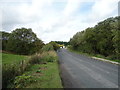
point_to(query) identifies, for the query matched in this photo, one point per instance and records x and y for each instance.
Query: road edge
(105, 60)
(96, 58)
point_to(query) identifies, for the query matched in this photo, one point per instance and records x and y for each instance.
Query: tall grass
(46, 56)
(49, 56)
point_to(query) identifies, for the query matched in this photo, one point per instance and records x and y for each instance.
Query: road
(79, 71)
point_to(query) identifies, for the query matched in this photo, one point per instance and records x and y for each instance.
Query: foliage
(55, 45)
(19, 66)
(102, 39)
(21, 41)
(13, 65)
(22, 81)
(12, 71)
(47, 47)
(46, 76)
(62, 43)
(35, 59)
(49, 56)
(4, 38)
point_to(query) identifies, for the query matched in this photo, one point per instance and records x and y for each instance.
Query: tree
(55, 45)
(4, 38)
(36, 46)
(47, 47)
(104, 39)
(62, 43)
(22, 41)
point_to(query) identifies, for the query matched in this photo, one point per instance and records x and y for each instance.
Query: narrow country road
(79, 71)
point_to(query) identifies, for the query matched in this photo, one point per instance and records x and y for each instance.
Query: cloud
(71, 7)
(102, 9)
(55, 20)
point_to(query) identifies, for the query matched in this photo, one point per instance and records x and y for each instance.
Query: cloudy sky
(55, 19)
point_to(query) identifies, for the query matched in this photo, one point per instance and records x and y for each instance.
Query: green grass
(45, 75)
(36, 76)
(108, 58)
(93, 55)
(11, 58)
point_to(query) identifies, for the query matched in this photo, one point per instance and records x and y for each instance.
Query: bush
(49, 56)
(112, 57)
(47, 47)
(22, 81)
(35, 59)
(13, 70)
(55, 45)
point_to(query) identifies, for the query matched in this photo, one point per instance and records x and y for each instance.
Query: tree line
(25, 42)
(62, 43)
(103, 39)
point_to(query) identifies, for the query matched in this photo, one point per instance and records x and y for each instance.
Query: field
(10, 58)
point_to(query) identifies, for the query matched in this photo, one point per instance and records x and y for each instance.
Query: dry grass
(46, 56)
(52, 53)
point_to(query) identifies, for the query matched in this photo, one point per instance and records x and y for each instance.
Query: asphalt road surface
(79, 71)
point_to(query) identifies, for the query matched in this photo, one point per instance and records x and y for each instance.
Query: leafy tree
(47, 47)
(55, 45)
(4, 38)
(102, 39)
(36, 46)
(22, 41)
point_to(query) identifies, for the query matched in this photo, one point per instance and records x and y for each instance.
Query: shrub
(112, 57)
(35, 59)
(46, 56)
(47, 47)
(49, 56)
(13, 70)
(22, 81)
(55, 45)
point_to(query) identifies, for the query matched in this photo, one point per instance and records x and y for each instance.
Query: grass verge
(93, 55)
(43, 73)
(37, 71)
(44, 76)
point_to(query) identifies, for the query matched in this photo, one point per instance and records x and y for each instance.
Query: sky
(55, 20)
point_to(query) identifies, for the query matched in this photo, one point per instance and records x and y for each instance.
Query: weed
(35, 59)
(22, 81)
